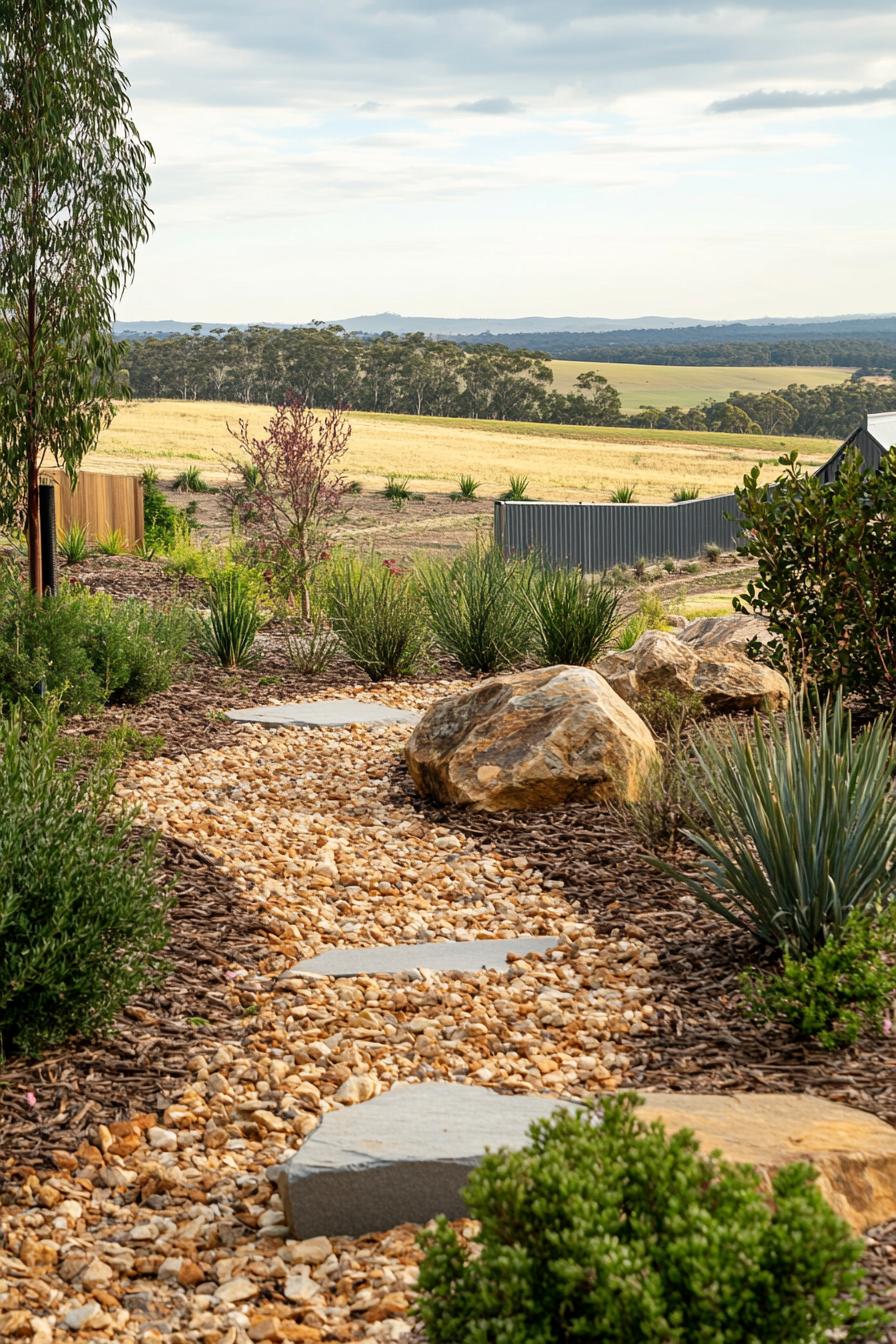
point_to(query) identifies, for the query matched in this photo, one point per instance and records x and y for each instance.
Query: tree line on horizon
(418, 375)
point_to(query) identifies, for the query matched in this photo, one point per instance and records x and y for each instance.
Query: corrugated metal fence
(100, 502)
(598, 536)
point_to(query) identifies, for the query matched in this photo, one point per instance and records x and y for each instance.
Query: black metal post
(47, 496)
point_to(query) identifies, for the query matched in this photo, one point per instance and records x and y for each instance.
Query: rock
(322, 714)
(239, 1289)
(78, 1317)
(710, 631)
(96, 1274)
(531, 740)
(402, 1158)
(356, 1089)
(163, 1139)
(311, 1251)
(720, 673)
(393, 959)
(854, 1152)
(300, 1288)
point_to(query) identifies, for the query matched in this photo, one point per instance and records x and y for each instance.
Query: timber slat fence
(102, 503)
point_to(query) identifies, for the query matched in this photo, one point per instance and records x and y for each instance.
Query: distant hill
(671, 329)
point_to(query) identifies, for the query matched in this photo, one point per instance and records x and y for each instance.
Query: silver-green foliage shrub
(477, 608)
(375, 609)
(82, 913)
(615, 1232)
(801, 823)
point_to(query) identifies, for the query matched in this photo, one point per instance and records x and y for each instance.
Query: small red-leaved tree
(291, 492)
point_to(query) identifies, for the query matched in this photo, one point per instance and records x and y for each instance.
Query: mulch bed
(82, 1084)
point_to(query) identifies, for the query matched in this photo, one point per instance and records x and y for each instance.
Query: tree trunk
(32, 525)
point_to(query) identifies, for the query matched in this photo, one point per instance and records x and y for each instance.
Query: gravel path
(164, 1226)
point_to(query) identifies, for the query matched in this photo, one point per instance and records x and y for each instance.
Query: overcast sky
(324, 158)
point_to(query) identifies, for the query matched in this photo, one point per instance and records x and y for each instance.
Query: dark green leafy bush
(161, 520)
(618, 1233)
(834, 994)
(85, 648)
(827, 573)
(375, 610)
(801, 824)
(477, 608)
(82, 914)
(573, 617)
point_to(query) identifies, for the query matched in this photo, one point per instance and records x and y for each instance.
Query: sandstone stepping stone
(405, 1155)
(401, 1158)
(322, 714)
(392, 959)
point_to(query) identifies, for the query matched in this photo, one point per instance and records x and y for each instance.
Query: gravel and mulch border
(215, 938)
(702, 1039)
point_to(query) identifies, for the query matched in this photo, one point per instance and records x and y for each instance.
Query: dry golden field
(561, 461)
(682, 385)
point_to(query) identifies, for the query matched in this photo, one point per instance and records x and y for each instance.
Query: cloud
(490, 107)
(768, 100)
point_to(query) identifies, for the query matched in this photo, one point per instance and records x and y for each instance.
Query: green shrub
(234, 619)
(801, 823)
(666, 803)
(72, 544)
(82, 914)
(685, 493)
(191, 482)
(669, 714)
(614, 1231)
(712, 552)
(134, 649)
(160, 519)
(517, 489)
(573, 616)
(826, 555)
(477, 608)
(113, 543)
(623, 494)
(376, 611)
(311, 645)
(847, 986)
(467, 487)
(396, 488)
(651, 615)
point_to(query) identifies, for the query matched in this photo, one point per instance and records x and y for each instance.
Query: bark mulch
(214, 933)
(703, 1040)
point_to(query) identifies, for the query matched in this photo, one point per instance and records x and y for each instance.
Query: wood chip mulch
(214, 933)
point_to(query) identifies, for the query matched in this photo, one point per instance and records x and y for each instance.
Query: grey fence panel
(598, 536)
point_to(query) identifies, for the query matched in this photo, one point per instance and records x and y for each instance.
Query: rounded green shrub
(82, 911)
(605, 1229)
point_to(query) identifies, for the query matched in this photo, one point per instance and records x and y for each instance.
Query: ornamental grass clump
(477, 608)
(376, 611)
(82, 910)
(573, 616)
(607, 1229)
(234, 619)
(801, 823)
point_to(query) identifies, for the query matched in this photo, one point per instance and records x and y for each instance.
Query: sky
(611, 158)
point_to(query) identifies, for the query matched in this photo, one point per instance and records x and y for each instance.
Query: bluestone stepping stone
(480, 954)
(322, 714)
(402, 1157)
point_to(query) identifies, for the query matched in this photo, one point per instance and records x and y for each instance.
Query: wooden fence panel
(100, 502)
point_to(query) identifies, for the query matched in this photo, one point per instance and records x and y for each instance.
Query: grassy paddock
(679, 385)
(561, 461)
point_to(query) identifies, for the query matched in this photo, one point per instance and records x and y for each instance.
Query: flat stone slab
(403, 1157)
(480, 954)
(322, 714)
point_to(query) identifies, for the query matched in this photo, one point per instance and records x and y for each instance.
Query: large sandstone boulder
(532, 739)
(721, 673)
(738, 630)
(853, 1152)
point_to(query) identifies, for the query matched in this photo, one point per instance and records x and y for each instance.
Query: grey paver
(393, 959)
(322, 714)
(402, 1157)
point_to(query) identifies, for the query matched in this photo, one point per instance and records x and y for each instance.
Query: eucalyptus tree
(73, 211)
